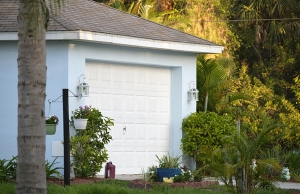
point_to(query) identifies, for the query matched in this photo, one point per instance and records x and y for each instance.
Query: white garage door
(138, 99)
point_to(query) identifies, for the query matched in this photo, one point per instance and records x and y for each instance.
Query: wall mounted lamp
(82, 88)
(192, 92)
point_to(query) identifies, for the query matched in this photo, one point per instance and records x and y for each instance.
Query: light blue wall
(57, 78)
(8, 99)
(66, 62)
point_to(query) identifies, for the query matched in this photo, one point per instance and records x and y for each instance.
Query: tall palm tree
(33, 19)
(210, 76)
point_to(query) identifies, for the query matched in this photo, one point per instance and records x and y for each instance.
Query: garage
(138, 99)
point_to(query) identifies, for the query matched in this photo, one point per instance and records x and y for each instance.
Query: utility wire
(250, 20)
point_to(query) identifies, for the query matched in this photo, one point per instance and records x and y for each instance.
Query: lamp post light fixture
(192, 92)
(82, 88)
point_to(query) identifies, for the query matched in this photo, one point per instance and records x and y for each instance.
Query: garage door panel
(141, 75)
(105, 71)
(117, 131)
(93, 72)
(117, 101)
(137, 98)
(129, 103)
(141, 160)
(93, 99)
(152, 133)
(118, 76)
(141, 102)
(141, 132)
(105, 101)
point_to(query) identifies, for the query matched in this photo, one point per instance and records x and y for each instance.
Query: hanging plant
(88, 146)
(80, 117)
(51, 123)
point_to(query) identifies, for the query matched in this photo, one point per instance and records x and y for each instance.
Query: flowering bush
(82, 112)
(185, 176)
(88, 146)
(52, 120)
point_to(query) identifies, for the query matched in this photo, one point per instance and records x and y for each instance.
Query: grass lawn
(122, 187)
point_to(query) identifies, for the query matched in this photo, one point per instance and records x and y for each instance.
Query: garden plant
(88, 146)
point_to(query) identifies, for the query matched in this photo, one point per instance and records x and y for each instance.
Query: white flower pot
(80, 124)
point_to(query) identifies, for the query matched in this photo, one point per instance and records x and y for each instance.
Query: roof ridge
(148, 20)
(91, 16)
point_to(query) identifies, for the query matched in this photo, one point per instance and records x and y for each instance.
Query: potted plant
(168, 167)
(51, 123)
(80, 117)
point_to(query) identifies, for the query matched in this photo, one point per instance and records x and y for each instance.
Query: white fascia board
(122, 40)
(8, 36)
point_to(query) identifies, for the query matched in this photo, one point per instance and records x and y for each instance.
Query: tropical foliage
(8, 170)
(167, 161)
(88, 146)
(204, 133)
(51, 170)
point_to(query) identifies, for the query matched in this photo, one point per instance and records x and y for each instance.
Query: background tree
(33, 19)
(269, 39)
(244, 158)
(213, 82)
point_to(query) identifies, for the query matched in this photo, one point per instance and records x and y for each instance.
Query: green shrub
(87, 146)
(292, 161)
(205, 132)
(152, 173)
(50, 170)
(8, 170)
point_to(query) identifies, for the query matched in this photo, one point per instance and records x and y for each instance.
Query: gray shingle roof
(87, 15)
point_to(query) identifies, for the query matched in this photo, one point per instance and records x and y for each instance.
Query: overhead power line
(250, 20)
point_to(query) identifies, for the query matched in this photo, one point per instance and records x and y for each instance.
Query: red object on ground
(110, 170)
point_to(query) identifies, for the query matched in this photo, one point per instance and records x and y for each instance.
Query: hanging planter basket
(80, 124)
(50, 129)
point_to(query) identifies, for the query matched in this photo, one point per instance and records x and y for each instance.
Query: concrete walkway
(289, 185)
(283, 185)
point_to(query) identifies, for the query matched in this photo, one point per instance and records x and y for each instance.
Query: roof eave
(122, 40)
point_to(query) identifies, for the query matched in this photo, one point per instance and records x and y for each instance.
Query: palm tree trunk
(206, 102)
(31, 176)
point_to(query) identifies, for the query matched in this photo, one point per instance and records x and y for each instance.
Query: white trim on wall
(122, 40)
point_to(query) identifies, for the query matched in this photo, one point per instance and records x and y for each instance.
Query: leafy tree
(269, 41)
(33, 18)
(271, 19)
(203, 133)
(88, 146)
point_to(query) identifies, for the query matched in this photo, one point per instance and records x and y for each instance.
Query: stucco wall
(57, 78)
(66, 62)
(9, 99)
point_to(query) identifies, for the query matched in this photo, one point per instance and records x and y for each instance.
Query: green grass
(122, 187)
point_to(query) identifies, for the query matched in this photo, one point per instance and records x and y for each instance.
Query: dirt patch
(140, 184)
